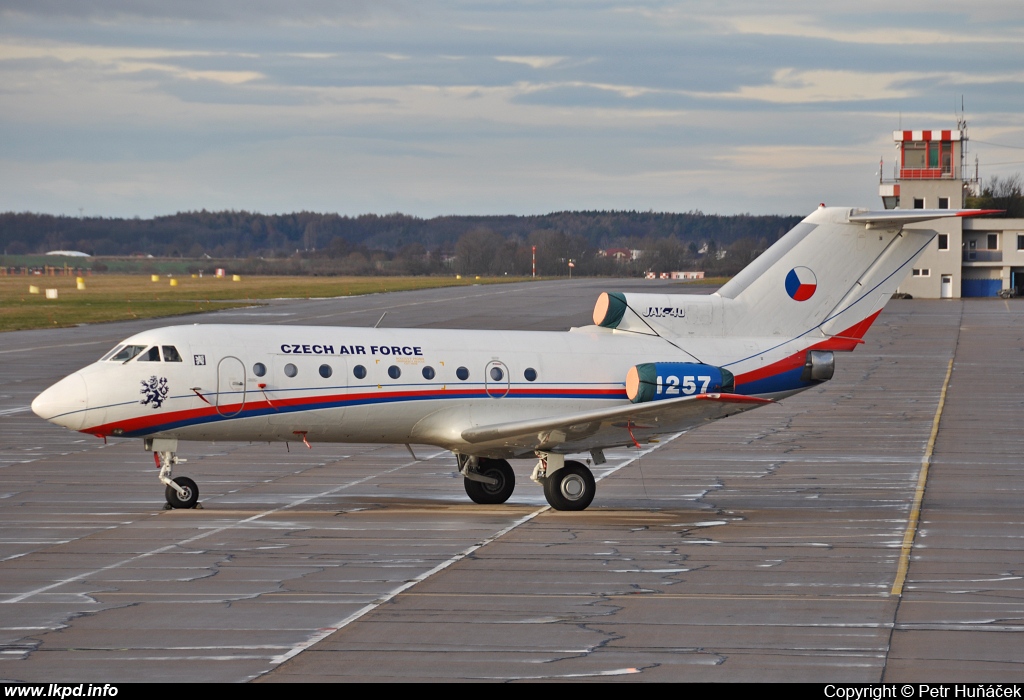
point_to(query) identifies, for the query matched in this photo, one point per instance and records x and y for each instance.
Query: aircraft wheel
(191, 493)
(498, 469)
(570, 488)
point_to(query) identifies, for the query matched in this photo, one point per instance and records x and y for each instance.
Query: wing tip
(734, 398)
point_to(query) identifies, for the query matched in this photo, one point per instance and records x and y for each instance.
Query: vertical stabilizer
(829, 276)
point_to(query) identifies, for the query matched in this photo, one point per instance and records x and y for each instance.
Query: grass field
(124, 297)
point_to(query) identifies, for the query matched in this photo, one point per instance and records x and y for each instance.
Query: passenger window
(428, 372)
(496, 374)
(462, 373)
(290, 370)
(394, 372)
(359, 371)
(151, 355)
(326, 371)
(170, 353)
(530, 374)
(127, 352)
(259, 369)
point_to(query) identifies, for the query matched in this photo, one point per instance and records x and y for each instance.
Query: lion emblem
(154, 391)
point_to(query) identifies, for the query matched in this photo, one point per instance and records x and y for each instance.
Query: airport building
(974, 257)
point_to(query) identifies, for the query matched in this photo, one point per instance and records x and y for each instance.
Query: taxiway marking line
(50, 347)
(203, 535)
(922, 478)
(325, 632)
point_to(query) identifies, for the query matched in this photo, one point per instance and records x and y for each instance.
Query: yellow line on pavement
(922, 478)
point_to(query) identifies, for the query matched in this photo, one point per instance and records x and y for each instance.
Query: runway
(765, 547)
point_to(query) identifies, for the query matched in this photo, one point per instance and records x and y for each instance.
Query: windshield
(126, 353)
(108, 355)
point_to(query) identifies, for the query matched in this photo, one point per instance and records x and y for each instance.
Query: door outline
(497, 388)
(228, 383)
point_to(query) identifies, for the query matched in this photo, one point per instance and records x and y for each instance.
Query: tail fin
(830, 275)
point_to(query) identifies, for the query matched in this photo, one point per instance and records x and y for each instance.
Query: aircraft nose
(64, 403)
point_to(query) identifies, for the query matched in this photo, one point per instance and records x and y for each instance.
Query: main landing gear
(487, 481)
(567, 485)
(180, 492)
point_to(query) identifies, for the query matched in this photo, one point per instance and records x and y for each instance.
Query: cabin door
(230, 386)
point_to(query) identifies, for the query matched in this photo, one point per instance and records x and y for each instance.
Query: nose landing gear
(184, 493)
(180, 492)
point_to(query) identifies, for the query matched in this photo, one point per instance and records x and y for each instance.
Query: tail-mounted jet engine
(819, 366)
(653, 381)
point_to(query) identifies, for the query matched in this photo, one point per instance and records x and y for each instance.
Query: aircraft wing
(609, 427)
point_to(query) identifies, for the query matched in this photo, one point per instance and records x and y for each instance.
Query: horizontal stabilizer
(615, 424)
(899, 217)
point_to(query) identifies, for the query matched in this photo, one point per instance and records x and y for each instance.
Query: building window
(1020, 242)
(993, 241)
(914, 154)
(943, 202)
(918, 203)
(943, 241)
(924, 272)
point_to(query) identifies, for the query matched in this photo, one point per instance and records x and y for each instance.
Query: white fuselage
(236, 382)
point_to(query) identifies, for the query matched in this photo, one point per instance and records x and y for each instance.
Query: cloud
(899, 33)
(532, 61)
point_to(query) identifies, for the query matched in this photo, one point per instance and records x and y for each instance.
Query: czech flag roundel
(801, 283)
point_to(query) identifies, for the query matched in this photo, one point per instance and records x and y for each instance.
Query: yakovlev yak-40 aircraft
(650, 364)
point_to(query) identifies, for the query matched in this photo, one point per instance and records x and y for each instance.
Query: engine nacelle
(819, 366)
(653, 381)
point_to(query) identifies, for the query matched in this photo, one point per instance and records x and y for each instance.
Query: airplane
(651, 364)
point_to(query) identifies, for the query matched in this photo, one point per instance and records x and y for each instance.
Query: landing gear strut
(181, 492)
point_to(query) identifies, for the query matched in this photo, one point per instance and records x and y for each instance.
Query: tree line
(314, 243)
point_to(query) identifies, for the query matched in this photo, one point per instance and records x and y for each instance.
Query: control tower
(929, 174)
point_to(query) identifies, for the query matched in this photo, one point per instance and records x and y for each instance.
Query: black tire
(570, 488)
(489, 494)
(191, 493)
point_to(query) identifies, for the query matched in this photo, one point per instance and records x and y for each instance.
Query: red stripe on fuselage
(230, 411)
(843, 342)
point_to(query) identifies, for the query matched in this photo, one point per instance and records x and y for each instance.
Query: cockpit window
(109, 354)
(126, 353)
(171, 353)
(151, 355)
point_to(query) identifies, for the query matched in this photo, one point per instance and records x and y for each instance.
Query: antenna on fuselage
(380, 319)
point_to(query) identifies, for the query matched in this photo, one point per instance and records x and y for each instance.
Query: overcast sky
(148, 107)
